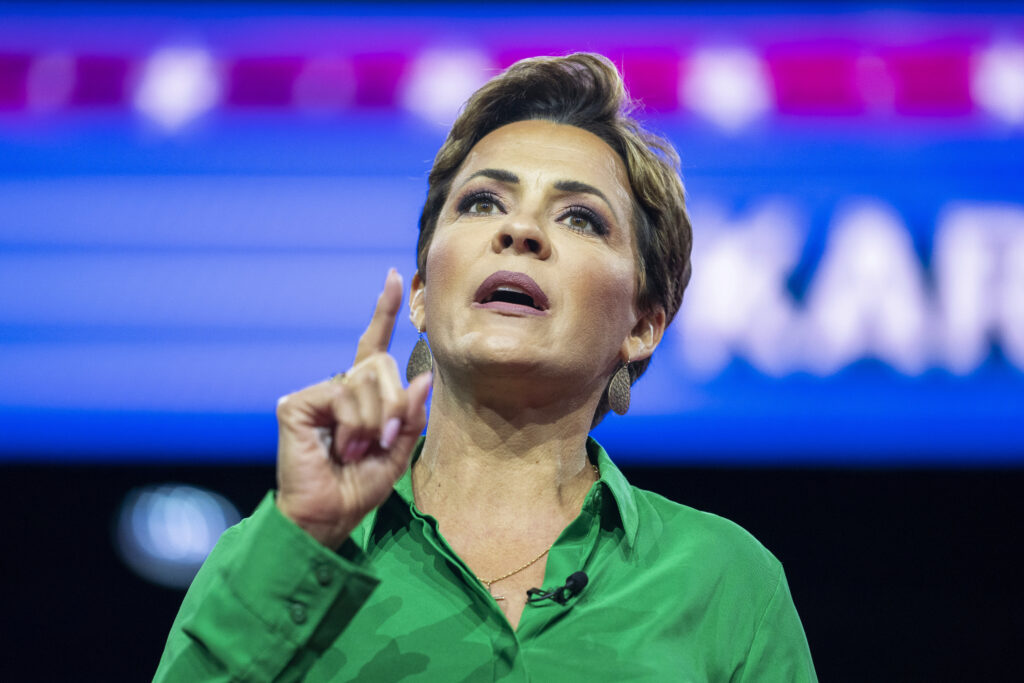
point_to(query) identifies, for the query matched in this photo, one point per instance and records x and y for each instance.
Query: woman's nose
(522, 235)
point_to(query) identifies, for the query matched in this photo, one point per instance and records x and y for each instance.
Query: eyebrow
(577, 187)
(573, 186)
(498, 174)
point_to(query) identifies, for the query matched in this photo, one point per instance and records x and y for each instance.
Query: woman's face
(531, 266)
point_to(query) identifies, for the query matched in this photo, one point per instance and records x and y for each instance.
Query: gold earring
(420, 360)
(618, 390)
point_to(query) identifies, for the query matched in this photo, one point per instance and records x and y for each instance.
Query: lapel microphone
(574, 585)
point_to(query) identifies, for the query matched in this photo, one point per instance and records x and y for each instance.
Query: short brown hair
(583, 90)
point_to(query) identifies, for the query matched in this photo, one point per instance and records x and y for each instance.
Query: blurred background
(199, 204)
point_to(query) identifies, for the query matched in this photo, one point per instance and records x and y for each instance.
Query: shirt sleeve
(268, 601)
(779, 650)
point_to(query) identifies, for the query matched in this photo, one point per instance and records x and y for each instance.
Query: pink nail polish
(350, 451)
(389, 433)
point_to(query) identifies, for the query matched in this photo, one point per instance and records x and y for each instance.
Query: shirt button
(324, 575)
(298, 613)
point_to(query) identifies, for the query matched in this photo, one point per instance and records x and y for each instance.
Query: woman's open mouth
(511, 292)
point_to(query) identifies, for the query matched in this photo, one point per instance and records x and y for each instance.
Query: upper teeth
(510, 288)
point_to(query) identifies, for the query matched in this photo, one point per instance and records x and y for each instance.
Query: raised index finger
(377, 336)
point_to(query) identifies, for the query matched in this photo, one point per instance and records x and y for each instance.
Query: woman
(554, 250)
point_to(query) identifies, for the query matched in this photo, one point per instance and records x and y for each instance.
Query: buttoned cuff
(303, 593)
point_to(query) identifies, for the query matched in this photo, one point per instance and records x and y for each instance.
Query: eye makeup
(478, 196)
(598, 226)
(577, 217)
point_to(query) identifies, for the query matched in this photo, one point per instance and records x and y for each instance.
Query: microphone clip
(573, 586)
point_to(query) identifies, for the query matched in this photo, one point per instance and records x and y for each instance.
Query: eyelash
(577, 211)
(574, 211)
(467, 202)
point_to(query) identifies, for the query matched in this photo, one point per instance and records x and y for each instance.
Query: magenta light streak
(832, 76)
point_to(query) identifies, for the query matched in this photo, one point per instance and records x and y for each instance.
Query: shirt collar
(621, 490)
(611, 478)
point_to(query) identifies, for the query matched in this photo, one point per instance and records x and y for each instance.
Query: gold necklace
(487, 582)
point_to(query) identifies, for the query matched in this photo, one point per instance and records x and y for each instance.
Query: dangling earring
(618, 390)
(420, 360)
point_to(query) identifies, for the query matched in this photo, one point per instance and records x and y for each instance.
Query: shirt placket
(570, 553)
(508, 664)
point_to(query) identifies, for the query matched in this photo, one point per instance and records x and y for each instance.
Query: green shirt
(673, 595)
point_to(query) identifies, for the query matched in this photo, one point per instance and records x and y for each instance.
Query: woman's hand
(343, 443)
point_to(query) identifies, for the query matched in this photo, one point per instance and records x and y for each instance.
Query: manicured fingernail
(356, 449)
(390, 431)
(350, 451)
(362, 446)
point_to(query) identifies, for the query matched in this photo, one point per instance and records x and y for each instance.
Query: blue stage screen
(199, 205)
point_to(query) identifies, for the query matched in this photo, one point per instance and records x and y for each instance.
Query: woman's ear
(645, 336)
(417, 305)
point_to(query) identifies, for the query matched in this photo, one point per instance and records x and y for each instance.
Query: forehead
(551, 151)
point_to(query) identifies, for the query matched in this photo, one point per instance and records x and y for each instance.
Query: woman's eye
(585, 220)
(482, 206)
(579, 223)
(479, 204)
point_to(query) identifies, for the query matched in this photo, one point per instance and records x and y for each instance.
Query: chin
(496, 356)
(521, 360)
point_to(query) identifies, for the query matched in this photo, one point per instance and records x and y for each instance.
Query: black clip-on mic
(574, 585)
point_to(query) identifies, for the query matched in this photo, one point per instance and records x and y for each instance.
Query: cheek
(439, 265)
(444, 264)
(610, 295)
(620, 282)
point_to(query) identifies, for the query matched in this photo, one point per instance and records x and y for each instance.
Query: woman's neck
(495, 461)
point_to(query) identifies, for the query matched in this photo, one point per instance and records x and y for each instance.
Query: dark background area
(899, 575)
